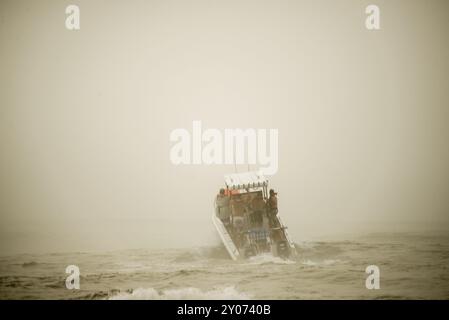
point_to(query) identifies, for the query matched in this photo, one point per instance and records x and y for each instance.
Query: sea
(411, 266)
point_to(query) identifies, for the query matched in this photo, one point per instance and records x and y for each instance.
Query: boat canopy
(245, 180)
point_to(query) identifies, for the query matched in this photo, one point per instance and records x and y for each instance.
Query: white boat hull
(225, 238)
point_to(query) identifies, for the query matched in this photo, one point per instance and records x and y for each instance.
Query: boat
(246, 220)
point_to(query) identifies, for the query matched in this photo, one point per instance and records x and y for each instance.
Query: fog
(86, 116)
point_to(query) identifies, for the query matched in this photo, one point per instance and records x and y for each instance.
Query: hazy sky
(85, 117)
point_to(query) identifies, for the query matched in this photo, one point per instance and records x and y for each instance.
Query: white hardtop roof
(245, 180)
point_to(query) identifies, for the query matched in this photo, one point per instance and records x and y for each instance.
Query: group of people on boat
(232, 210)
(252, 221)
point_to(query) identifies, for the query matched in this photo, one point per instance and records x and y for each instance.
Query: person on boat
(223, 209)
(258, 207)
(273, 202)
(238, 212)
(272, 207)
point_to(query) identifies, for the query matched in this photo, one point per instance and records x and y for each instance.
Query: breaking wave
(227, 293)
(326, 262)
(215, 253)
(268, 258)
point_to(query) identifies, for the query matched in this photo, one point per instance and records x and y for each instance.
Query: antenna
(235, 164)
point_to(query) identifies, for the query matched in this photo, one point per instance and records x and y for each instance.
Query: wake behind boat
(247, 220)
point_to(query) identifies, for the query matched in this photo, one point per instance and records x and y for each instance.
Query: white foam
(309, 263)
(305, 245)
(326, 262)
(269, 258)
(227, 293)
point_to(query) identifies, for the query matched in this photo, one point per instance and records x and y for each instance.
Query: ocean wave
(326, 262)
(190, 293)
(200, 253)
(29, 264)
(268, 259)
